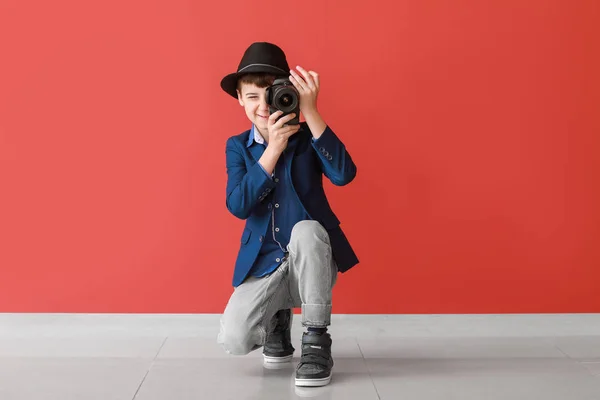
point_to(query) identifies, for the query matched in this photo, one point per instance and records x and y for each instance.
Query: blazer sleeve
(336, 163)
(246, 188)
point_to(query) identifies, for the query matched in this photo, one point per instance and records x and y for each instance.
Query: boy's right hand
(279, 134)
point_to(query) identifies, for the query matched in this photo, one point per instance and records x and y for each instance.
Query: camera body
(283, 96)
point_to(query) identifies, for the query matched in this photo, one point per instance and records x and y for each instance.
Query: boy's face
(254, 101)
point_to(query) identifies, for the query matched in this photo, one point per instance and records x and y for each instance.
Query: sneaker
(316, 362)
(278, 347)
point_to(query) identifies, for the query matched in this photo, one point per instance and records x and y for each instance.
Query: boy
(292, 246)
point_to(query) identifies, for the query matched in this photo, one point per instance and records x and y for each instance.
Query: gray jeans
(305, 279)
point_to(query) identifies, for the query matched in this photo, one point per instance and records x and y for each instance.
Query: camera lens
(286, 100)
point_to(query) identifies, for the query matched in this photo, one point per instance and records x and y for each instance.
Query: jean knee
(237, 348)
(237, 343)
(307, 230)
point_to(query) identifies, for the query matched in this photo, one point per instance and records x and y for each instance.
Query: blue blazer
(249, 188)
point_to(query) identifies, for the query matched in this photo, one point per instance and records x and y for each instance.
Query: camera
(283, 96)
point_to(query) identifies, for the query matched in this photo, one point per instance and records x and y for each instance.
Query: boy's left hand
(307, 84)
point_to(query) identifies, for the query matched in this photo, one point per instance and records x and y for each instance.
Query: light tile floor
(151, 357)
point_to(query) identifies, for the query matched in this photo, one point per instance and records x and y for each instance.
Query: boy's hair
(261, 80)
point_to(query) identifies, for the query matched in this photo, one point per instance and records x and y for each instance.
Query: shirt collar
(254, 136)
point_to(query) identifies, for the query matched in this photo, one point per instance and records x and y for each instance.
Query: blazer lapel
(256, 150)
(288, 154)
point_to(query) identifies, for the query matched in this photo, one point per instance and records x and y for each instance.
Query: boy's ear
(239, 97)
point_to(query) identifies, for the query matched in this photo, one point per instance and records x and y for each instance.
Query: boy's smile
(254, 101)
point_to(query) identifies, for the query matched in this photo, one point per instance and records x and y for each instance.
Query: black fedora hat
(261, 57)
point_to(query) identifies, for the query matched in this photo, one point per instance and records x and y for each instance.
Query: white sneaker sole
(278, 360)
(314, 382)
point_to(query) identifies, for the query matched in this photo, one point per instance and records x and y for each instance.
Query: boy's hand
(307, 84)
(279, 134)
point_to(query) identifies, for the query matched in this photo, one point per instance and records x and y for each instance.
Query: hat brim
(229, 82)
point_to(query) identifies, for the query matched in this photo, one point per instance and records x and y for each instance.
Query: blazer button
(322, 149)
(261, 238)
(330, 158)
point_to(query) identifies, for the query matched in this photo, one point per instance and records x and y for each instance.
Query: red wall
(474, 125)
